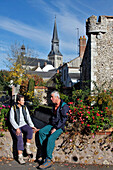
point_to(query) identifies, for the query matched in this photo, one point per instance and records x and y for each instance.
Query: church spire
(55, 56)
(55, 35)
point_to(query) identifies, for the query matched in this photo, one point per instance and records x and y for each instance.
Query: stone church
(45, 68)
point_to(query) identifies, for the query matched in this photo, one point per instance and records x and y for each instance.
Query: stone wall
(100, 51)
(44, 93)
(40, 93)
(90, 149)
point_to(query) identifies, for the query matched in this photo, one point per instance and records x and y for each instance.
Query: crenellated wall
(97, 64)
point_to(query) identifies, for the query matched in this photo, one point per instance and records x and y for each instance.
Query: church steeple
(55, 35)
(55, 56)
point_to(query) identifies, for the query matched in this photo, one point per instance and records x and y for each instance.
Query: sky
(31, 22)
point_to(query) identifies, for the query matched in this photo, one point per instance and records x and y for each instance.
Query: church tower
(55, 56)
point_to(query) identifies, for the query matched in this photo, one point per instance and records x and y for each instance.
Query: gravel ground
(10, 164)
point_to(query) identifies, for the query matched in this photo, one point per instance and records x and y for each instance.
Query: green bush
(4, 116)
(64, 97)
(31, 85)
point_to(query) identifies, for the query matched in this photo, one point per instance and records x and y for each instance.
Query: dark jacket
(17, 113)
(58, 120)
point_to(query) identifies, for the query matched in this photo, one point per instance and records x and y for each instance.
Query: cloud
(64, 14)
(24, 30)
(3, 46)
(67, 21)
(67, 24)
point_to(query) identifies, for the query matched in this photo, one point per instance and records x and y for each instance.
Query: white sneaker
(20, 160)
(28, 151)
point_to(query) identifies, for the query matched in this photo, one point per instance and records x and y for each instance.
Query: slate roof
(74, 75)
(42, 74)
(54, 53)
(30, 61)
(55, 35)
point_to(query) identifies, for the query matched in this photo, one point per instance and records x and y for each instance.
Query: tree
(59, 83)
(4, 84)
(16, 59)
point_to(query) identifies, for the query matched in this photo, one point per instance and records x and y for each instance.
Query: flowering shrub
(103, 99)
(88, 118)
(34, 101)
(3, 116)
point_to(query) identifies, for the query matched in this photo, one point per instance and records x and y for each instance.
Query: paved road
(13, 165)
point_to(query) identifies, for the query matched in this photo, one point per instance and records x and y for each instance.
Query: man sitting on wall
(54, 129)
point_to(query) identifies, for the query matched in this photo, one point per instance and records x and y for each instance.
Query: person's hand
(53, 130)
(18, 132)
(35, 129)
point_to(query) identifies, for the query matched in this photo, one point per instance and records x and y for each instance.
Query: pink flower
(3, 106)
(0, 107)
(88, 125)
(88, 112)
(70, 103)
(97, 126)
(82, 122)
(80, 100)
(86, 116)
(93, 117)
(9, 106)
(106, 108)
(97, 114)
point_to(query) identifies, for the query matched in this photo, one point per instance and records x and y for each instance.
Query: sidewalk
(13, 165)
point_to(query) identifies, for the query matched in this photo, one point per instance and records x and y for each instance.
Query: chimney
(82, 46)
(38, 64)
(45, 63)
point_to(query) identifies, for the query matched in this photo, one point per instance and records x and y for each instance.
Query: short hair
(19, 96)
(56, 93)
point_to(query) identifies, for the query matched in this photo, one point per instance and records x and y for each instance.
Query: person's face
(21, 102)
(53, 98)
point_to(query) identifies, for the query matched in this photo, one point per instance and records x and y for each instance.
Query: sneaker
(28, 151)
(20, 160)
(46, 164)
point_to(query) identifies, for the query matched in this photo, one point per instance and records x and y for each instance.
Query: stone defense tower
(97, 64)
(55, 56)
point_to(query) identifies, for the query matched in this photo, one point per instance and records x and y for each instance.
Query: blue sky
(31, 22)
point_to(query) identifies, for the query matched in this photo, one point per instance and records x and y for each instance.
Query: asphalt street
(6, 164)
